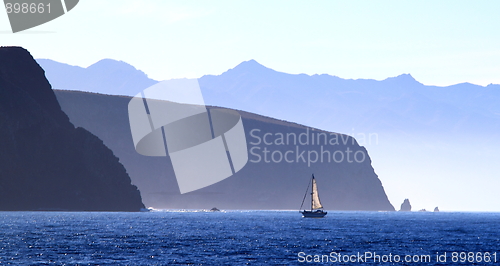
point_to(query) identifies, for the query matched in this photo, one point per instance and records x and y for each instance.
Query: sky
(437, 42)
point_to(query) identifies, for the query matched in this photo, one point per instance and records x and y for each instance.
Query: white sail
(316, 204)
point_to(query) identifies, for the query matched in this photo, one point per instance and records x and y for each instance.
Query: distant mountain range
(106, 76)
(399, 104)
(425, 136)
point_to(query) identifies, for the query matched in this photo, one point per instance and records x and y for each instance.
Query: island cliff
(45, 162)
(261, 184)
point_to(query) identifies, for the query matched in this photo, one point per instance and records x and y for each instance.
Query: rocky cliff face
(264, 183)
(45, 162)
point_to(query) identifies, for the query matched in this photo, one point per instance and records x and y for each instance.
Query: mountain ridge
(107, 76)
(249, 65)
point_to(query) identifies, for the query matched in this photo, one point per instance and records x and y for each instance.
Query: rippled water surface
(246, 237)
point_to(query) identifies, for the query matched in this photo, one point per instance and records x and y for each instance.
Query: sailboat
(316, 207)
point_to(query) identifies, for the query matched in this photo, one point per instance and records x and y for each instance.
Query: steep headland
(45, 162)
(266, 182)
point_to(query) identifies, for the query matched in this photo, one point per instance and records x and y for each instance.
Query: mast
(312, 191)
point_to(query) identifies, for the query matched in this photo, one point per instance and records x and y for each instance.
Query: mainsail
(316, 204)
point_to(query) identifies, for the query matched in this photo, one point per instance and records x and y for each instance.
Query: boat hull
(313, 214)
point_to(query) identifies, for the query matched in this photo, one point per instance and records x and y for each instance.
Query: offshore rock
(405, 206)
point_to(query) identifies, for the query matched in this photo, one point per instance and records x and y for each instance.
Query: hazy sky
(438, 42)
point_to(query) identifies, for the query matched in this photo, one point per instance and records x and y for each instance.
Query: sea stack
(45, 162)
(405, 206)
(436, 209)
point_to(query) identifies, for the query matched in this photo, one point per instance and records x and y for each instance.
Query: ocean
(249, 238)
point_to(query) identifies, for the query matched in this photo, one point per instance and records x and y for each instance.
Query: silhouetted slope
(343, 186)
(45, 162)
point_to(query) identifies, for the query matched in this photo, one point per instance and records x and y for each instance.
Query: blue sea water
(248, 238)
